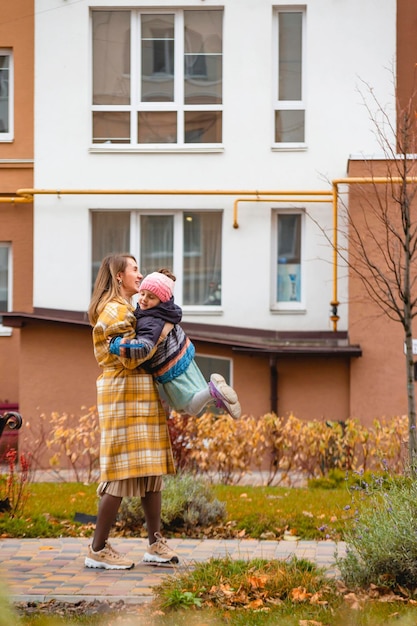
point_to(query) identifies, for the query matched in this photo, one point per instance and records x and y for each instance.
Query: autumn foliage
(282, 448)
(228, 449)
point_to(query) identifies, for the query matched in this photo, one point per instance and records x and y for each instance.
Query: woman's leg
(151, 504)
(158, 550)
(107, 513)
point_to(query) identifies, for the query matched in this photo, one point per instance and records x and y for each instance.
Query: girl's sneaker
(224, 395)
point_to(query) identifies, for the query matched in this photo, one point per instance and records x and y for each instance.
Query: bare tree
(381, 244)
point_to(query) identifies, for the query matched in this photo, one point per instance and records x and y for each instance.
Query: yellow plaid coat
(134, 438)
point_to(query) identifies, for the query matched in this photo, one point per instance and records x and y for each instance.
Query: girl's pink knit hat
(159, 284)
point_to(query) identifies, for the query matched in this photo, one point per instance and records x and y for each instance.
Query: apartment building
(205, 137)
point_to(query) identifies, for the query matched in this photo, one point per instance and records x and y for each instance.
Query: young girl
(173, 365)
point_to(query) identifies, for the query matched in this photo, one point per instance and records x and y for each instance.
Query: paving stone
(53, 569)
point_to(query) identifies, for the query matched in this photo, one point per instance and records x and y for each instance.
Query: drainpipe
(274, 383)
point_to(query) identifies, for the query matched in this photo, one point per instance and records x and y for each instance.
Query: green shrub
(187, 502)
(382, 544)
(333, 480)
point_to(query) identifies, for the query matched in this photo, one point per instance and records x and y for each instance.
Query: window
(110, 233)
(288, 282)
(210, 364)
(6, 95)
(187, 242)
(289, 107)
(5, 279)
(157, 77)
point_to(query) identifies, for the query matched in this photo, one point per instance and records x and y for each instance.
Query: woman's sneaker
(224, 395)
(160, 552)
(107, 558)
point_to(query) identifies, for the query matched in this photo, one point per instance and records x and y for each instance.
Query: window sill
(276, 311)
(212, 311)
(122, 149)
(289, 148)
(5, 331)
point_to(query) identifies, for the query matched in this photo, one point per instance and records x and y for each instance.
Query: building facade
(205, 137)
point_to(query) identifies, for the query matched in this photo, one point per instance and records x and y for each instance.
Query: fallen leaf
(391, 597)
(316, 599)
(300, 594)
(353, 601)
(226, 590)
(255, 604)
(257, 582)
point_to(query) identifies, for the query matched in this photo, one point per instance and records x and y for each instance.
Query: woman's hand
(165, 332)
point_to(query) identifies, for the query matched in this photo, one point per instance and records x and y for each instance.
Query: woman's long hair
(106, 286)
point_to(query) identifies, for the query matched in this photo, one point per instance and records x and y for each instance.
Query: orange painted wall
(378, 379)
(58, 368)
(310, 388)
(17, 32)
(406, 51)
(16, 171)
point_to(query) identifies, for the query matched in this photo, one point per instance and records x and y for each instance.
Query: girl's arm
(140, 346)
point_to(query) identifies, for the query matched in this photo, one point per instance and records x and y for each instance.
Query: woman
(135, 450)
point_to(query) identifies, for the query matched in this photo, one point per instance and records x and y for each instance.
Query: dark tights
(107, 513)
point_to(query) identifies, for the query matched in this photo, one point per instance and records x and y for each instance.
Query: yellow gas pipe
(26, 195)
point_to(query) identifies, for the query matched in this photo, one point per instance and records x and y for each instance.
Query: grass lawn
(257, 512)
(217, 592)
(303, 512)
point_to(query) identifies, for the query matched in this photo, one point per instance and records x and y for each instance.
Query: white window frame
(276, 305)
(6, 331)
(285, 105)
(136, 105)
(9, 136)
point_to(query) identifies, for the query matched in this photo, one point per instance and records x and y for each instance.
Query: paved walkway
(39, 570)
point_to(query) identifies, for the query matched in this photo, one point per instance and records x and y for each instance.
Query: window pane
(156, 243)
(111, 127)
(157, 58)
(203, 126)
(111, 57)
(4, 93)
(111, 233)
(289, 56)
(203, 57)
(157, 127)
(289, 126)
(4, 278)
(289, 258)
(210, 364)
(202, 258)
